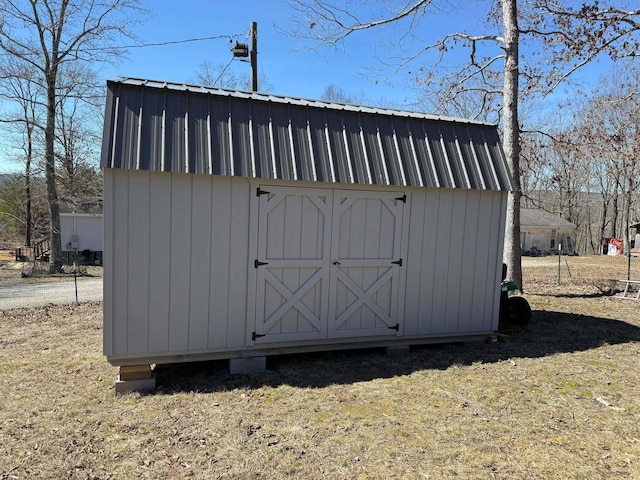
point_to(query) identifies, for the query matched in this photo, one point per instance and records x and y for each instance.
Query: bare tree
(13, 207)
(78, 137)
(584, 169)
(613, 118)
(576, 33)
(334, 93)
(47, 35)
(19, 88)
(220, 76)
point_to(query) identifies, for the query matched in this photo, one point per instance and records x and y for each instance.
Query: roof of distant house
(536, 217)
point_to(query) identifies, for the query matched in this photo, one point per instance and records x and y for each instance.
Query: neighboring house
(82, 237)
(241, 224)
(544, 233)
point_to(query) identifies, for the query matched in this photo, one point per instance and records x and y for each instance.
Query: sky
(292, 67)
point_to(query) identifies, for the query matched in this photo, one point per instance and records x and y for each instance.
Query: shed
(542, 232)
(241, 224)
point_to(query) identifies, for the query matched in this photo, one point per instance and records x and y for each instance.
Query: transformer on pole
(241, 50)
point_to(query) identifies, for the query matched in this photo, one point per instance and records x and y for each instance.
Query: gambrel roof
(170, 127)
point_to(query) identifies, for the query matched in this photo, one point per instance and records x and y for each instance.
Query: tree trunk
(603, 223)
(627, 219)
(589, 238)
(55, 254)
(616, 212)
(511, 141)
(27, 185)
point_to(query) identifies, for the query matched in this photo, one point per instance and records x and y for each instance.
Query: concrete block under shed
(140, 385)
(135, 378)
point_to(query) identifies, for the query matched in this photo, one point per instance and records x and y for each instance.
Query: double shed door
(328, 263)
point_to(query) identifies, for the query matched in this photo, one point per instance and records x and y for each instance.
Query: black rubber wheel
(518, 311)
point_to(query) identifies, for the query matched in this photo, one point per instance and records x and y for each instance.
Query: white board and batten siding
(195, 277)
(172, 285)
(453, 263)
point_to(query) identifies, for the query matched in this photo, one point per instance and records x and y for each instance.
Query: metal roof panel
(162, 126)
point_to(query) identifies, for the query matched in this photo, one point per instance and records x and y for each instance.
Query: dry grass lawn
(560, 401)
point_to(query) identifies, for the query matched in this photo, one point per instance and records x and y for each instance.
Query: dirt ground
(7, 256)
(579, 275)
(12, 272)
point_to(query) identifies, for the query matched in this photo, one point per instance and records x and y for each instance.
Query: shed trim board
(224, 241)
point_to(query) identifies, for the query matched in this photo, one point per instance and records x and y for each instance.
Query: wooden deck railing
(41, 247)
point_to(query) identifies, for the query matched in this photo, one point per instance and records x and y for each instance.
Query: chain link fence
(25, 284)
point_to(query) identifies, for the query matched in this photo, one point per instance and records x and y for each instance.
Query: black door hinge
(396, 327)
(259, 192)
(257, 264)
(255, 335)
(398, 262)
(403, 198)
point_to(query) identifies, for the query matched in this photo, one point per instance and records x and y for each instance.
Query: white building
(81, 235)
(544, 233)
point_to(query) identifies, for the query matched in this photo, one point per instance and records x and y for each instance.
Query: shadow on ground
(548, 333)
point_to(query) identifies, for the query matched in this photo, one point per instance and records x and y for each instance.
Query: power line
(223, 71)
(143, 45)
(161, 44)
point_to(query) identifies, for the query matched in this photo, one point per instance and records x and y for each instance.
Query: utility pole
(241, 50)
(254, 56)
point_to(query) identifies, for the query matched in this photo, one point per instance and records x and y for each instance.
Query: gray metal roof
(170, 127)
(535, 217)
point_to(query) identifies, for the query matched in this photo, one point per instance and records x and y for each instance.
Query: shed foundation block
(137, 378)
(124, 386)
(247, 365)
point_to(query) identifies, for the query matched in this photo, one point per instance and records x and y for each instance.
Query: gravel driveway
(46, 293)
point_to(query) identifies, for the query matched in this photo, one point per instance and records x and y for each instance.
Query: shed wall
(175, 272)
(179, 252)
(454, 261)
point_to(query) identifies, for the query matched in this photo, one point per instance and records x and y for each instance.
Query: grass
(561, 400)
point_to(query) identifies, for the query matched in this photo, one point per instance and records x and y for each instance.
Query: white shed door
(328, 263)
(294, 240)
(365, 263)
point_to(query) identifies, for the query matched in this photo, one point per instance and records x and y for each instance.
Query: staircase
(41, 248)
(37, 251)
